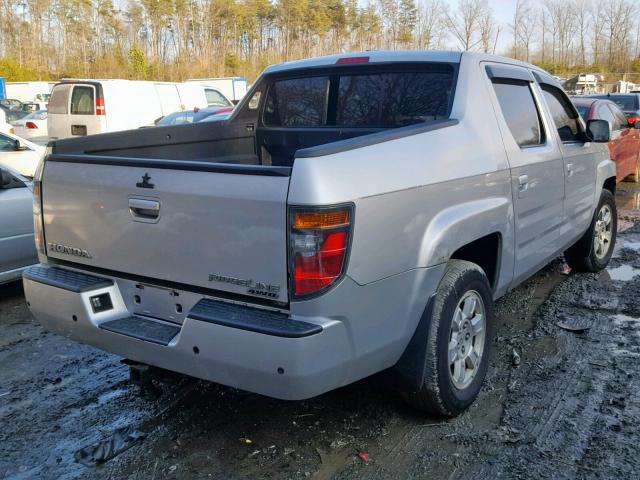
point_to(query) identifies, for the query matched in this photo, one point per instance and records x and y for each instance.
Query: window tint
(215, 98)
(393, 99)
(7, 144)
(520, 111)
(620, 118)
(605, 114)
(564, 116)
(297, 102)
(583, 111)
(59, 99)
(82, 101)
(380, 99)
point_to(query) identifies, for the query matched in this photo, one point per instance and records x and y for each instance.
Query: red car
(625, 136)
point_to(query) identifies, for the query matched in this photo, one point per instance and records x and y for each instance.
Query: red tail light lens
(319, 245)
(633, 120)
(349, 60)
(30, 125)
(100, 110)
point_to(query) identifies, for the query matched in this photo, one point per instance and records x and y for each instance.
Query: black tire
(582, 256)
(438, 395)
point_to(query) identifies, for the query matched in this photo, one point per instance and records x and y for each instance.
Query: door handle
(570, 169)
(523, 182)
(144, 210)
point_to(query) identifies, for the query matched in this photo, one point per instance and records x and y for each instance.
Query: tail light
(351, 60)
(633, 120)
(100, 110)
(38, 229)
(30, 125)
(319, 246)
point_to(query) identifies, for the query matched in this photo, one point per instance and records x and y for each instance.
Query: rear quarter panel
(421, 197)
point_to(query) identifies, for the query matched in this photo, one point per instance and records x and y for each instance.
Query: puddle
(628, 199)
(623, 273)
(632, 245)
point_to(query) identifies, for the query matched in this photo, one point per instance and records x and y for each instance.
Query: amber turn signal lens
(319, 219)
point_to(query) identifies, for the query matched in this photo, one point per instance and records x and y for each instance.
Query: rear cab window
(375, 96)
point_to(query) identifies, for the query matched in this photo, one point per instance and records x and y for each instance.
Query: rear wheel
(593, 251)
(458, 342)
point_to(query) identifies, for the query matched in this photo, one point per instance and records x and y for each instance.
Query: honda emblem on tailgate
(78, 252)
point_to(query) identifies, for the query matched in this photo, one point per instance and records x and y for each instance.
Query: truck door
(579, 163)
(536, 167)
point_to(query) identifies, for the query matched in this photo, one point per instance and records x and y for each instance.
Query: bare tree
(464, 22)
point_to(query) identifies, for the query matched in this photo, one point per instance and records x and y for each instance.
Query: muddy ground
(571, 409)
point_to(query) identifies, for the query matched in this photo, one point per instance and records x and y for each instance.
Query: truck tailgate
(204, 227)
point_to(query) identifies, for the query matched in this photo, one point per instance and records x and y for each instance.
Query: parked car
(87, 107)
(624, 145)
(11, 103)
(16, 225)
(19, 154)
(356, 213)
(192, 116)
(629, 103)
(7, 116)
(31, 125)
(217, 117)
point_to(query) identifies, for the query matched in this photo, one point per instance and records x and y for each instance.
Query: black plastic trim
(408, 373)
(191, 165)
(508, 72)
(266, 322)
(76, 282)
(142, 329)
(374, 138)
(173, 285)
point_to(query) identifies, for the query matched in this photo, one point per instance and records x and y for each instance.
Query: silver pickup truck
(356, 214)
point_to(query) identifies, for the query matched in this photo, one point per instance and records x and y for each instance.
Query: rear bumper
(290, 357)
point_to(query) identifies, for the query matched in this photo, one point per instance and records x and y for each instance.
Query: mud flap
(408, 374)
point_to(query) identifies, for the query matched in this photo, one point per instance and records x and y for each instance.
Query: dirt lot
(570, 409)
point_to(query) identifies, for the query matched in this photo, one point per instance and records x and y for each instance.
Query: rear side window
(59, 100)
(7, 144)
(519, 111)
(564, 115)
(215, 98)
(362, 98)
(297, 102)
(82, 101)
(620, 118)
(605, 114)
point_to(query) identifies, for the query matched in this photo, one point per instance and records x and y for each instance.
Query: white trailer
(29, 91)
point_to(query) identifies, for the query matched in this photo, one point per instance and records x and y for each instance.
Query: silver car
(17, 246)
(356, 213)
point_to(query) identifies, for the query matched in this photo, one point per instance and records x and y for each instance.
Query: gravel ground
(570, 409)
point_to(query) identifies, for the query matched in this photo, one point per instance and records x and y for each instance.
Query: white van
(87, 107)
(233, 88)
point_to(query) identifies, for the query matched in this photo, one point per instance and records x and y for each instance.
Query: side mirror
(598, 131)
(18, 147)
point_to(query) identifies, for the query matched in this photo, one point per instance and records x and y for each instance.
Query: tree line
(179, 39)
